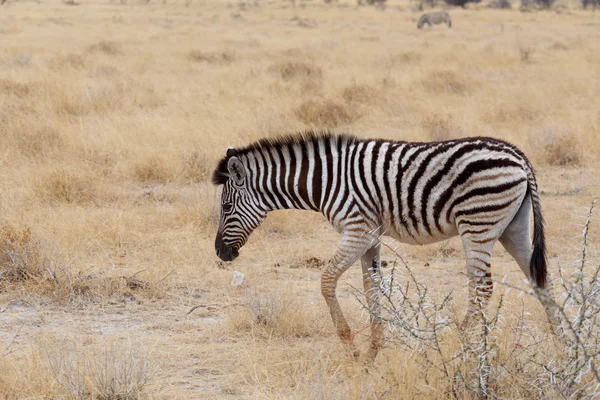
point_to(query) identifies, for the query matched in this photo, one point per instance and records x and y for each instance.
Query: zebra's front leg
(371, 264)
(351, 248)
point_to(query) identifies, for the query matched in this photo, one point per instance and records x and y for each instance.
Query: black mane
(221, 174)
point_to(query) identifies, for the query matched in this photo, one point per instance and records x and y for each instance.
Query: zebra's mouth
(227, 253)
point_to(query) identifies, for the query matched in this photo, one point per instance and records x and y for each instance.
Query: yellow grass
(113, 115)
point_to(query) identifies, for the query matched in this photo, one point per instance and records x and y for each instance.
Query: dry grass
(106, 47)
(62, 186)
(325, 113)
(446, 81)
(113, 117)
(291, 70)
(211, 58)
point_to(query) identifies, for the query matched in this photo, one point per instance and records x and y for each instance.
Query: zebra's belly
(449, 231)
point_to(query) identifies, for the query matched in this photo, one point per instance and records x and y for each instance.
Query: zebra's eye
(227, 207)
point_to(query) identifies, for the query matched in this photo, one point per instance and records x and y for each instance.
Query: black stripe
(438, 177)
(387, 184)
(329, 165)
(277, 168)
(360, 171)
(342, 153)
(483, 209)
(482, 191)
(264, 164)
(412, 206)
(291, 181)
(478, 223)
(399, 187)
(474, 232)
(374, 157)
(317, 175)
(470, 169)
(303, 176)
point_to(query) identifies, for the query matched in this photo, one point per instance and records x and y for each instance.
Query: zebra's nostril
(218, 252)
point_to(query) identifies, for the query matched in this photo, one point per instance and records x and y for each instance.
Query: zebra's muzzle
(224, 252)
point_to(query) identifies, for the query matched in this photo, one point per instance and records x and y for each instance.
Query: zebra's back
(422, 192)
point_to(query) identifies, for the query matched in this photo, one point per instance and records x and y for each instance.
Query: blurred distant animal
(435, 18)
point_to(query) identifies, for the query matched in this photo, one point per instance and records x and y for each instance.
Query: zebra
(435, 18)
(480, 188)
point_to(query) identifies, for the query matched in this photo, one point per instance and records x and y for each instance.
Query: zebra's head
(240, 212)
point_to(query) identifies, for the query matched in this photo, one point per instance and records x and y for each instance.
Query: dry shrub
(115, 371)
(325, 113)
(361, 94)
(21, 255)
(557, 147)
(18, 89)
(106, 47)
(446, 81)
(291, 70)
(153, 169)
(62, 186)
(210, 57)
(440, 127)
(29, 265)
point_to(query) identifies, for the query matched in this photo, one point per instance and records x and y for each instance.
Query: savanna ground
(112, 117)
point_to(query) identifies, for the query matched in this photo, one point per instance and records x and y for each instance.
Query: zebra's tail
(538, 266)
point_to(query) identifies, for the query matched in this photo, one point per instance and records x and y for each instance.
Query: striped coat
(435, 18)
(482, 189)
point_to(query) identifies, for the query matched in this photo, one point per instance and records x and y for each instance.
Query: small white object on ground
(238, 279)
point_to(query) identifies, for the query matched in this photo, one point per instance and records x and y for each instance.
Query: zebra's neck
(299, 175)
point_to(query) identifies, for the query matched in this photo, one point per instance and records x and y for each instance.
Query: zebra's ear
(236, 171)
(231, 152)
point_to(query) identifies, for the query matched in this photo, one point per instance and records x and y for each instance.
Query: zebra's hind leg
(353, 245)
(371, 264)
(516, 239)
(478, 251)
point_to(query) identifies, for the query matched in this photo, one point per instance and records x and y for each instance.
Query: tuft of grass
(325, 113)
(274, 314)
(62, 186)
(153, 168)
(18, 89)
(291, 70)
(210, 58)
(360, 94)
(106, 47)
(557, 147)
